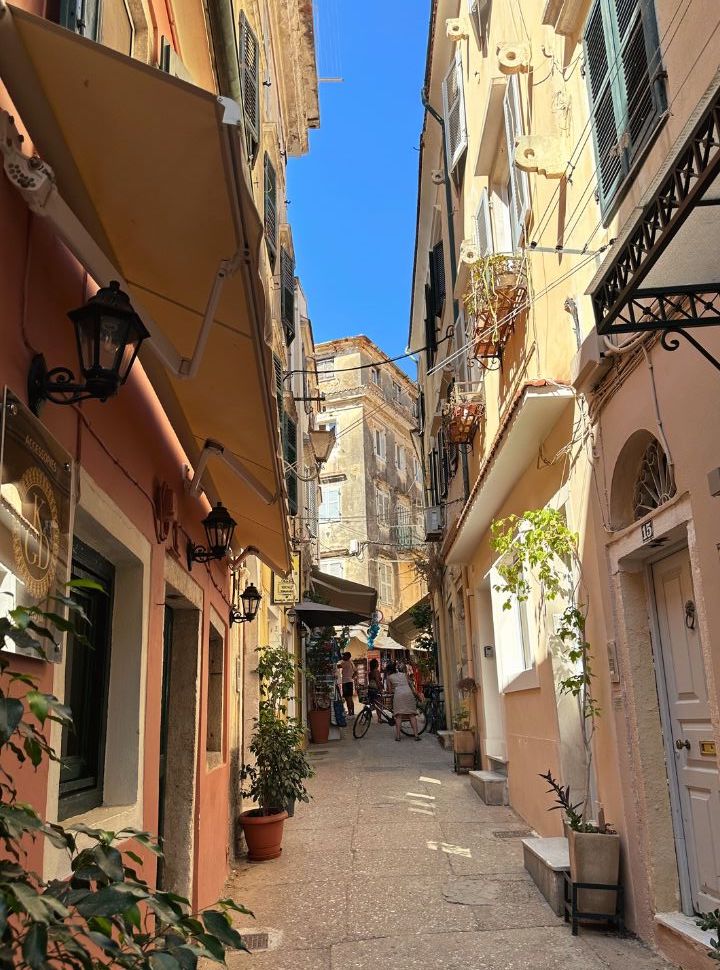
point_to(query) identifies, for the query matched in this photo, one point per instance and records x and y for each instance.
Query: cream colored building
(559, 156)
(371, 511)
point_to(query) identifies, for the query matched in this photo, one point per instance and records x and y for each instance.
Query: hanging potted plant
(496, 295)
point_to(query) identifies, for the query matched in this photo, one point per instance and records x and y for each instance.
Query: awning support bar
(670, 342)
(215, 449)
(35, 181)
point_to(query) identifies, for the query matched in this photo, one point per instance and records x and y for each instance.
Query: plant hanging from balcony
(496, 296)
(538, 546)
(462, 415)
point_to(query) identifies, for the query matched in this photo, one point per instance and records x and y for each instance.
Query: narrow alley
(396, 863)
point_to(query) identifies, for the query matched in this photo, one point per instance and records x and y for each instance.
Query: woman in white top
(404, 702)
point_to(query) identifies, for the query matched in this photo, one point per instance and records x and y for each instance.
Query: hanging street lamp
(244, 607)
(109, 334)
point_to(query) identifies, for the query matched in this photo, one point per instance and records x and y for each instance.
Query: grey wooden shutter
(605, 125)
(270, 208)
(287, 294)
(519, 183)
(437, 278)
(249, 83)
(483, 226)
(454, 108)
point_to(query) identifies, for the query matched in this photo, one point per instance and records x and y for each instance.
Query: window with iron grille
(454, 105)
(287, 294)
(249, 63)
(270, 209)
(626, 85)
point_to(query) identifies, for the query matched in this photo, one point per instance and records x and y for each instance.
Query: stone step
(547, 860)
(491, 786)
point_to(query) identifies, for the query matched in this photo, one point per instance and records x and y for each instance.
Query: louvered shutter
(483, 226)
(519, 183)
(437, 278)
(312, 509)
(430, 334)
(287, 294)
(290, 454)
(270, 208)
(443, 466)
(250, 83)
(641, 74)
(454, 107)
(279, 396)
(605, 126)
(81, 16)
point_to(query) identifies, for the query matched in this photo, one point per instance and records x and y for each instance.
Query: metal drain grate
(512, 833)
(256, 941)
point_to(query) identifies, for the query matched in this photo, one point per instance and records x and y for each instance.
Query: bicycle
(434, 708)
(362, 722)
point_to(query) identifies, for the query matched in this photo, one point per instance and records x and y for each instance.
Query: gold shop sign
(35, 512)
(286, 591)
(707, 749)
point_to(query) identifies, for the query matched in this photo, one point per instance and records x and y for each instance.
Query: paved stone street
(397, 863)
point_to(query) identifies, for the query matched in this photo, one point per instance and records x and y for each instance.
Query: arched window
(642, 480)
(655, 484)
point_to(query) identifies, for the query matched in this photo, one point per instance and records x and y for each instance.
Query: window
(454, 109)
(625, 84)
(417, 470)
(249, 85)
(279, 392)
(215, 697)
(400, 458)
(512, 639)
(87, 675)
(325, 368)
(270, 209)
(397, 392)
(287, 294)
(382, 504)
(430, 331)
(375, 375)
(479, 14)
(518, 186)
(380, 445)
(483, 226)
(404, 530)
(330, 504)
(290, 454)
(385, 582)
(333, 567)
(437, 278)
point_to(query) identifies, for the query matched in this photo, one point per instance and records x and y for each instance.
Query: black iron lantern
(109, 334)
(219, 529)
(246, 609)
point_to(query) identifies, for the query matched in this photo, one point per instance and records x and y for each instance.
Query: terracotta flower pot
(263, 834)
(319, 722)
(594, 857)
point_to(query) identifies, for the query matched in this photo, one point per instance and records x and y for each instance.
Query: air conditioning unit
(433, 523)
(354, 548)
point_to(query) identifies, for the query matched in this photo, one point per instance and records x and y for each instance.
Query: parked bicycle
(379, 706)
(434, 708)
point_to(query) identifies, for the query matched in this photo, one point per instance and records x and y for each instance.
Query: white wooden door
(692, 741)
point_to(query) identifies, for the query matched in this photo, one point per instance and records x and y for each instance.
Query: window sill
(526, 680)
(115, 817)
(214, 760)
(684, 926)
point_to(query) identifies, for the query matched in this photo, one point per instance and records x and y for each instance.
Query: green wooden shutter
(290, 454)
(437, 278)
(279, 395)
(605, 123)
(430, 334)
(81, 16)
(287, 294)
(250, 83)
(270, 209)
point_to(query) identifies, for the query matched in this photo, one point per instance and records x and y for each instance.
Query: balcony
(463, 413)
(497, 295)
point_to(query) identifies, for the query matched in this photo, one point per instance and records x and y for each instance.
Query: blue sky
(353, 197)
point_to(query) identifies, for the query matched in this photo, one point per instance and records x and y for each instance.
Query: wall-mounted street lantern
(108, 334)
(245, 606)
(323, 442)
(219, 528)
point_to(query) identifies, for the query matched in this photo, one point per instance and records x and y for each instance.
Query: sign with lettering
(286, 591)
(35, 515)
(646, 531)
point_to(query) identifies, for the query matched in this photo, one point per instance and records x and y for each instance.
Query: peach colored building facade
(551, 138)
(160, 190)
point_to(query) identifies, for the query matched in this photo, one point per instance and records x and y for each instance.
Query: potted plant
(497, 294)
(320, 657)
(319, 714)
(463, 734)
(275, 781)
(594, 849)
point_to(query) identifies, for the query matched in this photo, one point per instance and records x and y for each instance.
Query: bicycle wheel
(422, 723)
(362, 723)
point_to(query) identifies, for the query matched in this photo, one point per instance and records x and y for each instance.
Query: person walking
(348, 674)
(404, 700)
(375, 685)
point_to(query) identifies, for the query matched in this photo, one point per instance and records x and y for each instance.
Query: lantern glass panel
(250, 602)
(219, 529)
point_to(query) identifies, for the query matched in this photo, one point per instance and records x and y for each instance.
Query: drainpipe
(222, 31)
(453, 257)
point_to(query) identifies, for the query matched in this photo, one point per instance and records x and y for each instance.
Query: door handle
(680, 744)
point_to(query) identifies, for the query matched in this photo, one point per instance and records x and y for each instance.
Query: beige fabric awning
(152, 188)
(344, 594)
(403, 628)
